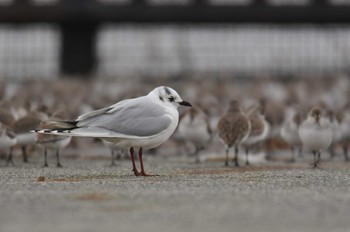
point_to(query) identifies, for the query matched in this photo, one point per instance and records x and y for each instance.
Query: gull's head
(169, 96)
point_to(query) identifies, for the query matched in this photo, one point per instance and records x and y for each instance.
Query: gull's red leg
(134, 169)
(141, 164)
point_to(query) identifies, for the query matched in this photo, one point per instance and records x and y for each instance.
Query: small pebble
(41, 178)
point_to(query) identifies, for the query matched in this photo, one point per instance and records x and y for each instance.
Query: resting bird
(7, 140)
(143, 123)
(290, 131)
(116, 151)
(195, 129)
(258, 131)
(53, 142)
(316, 134)
(233, 129)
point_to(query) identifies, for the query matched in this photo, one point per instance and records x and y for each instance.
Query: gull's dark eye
(171, 98)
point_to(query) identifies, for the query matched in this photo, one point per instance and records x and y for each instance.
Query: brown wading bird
(233, 129)
(144, 123)
(23, 126)
(53, 142)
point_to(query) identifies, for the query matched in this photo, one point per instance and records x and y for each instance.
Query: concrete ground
(88, 195)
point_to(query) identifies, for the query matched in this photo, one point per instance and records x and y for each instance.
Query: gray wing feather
(93, 114)
(133, 117)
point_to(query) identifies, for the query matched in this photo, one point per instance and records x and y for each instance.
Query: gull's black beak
(185, 103)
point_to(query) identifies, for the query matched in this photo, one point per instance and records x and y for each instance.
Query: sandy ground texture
(88, 195)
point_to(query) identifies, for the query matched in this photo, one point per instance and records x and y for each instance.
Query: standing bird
(195, 128)
(290, 131)
(336, 132)
(7, 140)
(258, 132)
(51, 141)
(316, 134)
(144, 122)
(233, 129)
(22, 128)
(344, 128)
(116, 151)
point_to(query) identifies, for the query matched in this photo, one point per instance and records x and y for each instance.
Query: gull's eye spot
(160, 98)
(171, 98)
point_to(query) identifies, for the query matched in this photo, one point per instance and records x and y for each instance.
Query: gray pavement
(88, 195)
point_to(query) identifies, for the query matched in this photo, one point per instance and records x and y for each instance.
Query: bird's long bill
(185, 103)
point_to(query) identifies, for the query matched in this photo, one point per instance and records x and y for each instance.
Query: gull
(195, 128)
(144, 123)
(259, 129)
(233, 129)
(51, 141)
(316, 134)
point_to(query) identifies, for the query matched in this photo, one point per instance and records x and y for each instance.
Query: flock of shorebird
(39, 116)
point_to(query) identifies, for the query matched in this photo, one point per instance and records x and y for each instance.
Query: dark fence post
(78, 55)
(78, 33)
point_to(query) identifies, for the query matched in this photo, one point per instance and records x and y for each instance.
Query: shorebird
(290, 131)
(51, 141)
(316, 134)
(194, 128)
(344, 127)
(233, 129)
(22, 128)
(144, 122)
(336, 132)
(258, 132)
(7, 140)
(115, 151)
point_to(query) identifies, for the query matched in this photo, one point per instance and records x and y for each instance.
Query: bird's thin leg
(318, 157)
(119, 155)
(45, 158)
(246, 156)
(134, 169)
(197, 155)
(9, 157)
(143, 173)
(331, 152)
(315, 159)
(113, 157)
(300, 150)
(345, 152)
(24, 153)
(292, 159)
(235, 159)
(226, 159)
(58, 158)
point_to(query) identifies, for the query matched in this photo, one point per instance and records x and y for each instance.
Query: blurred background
(285, 56)
(162, 38)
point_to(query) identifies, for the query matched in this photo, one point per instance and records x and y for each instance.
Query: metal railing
(79, 20)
